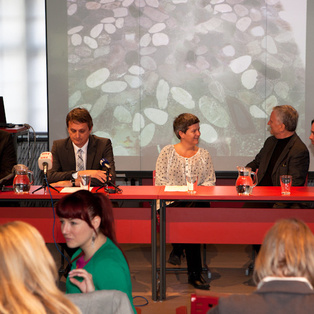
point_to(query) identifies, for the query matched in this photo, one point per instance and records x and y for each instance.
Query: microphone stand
(44, 185)
(109, 183)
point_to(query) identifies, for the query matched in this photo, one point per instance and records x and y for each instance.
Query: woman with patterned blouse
(174, 163)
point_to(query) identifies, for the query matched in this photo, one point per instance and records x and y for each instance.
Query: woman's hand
(87, 285)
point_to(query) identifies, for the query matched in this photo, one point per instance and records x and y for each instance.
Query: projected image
(135, 65)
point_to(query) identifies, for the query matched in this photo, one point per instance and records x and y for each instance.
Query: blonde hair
(28, 273)
(287, 251)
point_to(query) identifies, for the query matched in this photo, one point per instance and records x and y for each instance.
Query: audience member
(87, 222)
(7, 154)
(28, 273)
(173, 164)
(284, 274)
(80, 153)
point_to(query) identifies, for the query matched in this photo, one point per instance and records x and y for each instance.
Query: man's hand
(97, 174)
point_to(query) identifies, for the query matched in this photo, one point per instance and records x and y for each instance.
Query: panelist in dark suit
(80, 153)
(284, 274)
(283, 152)
(7, 154)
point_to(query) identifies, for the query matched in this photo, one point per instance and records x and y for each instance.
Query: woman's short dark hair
(86, 205)
(80, 115)
(183, 122)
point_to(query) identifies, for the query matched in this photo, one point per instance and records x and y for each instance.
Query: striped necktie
(79, 160)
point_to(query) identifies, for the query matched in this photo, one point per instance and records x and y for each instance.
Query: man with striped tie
(81, 153)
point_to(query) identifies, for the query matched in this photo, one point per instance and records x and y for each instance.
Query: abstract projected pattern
(135, 65)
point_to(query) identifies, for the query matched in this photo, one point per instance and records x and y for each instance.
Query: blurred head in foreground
(28, 273)
(287, 251)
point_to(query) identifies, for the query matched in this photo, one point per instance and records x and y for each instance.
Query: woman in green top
(87, 223)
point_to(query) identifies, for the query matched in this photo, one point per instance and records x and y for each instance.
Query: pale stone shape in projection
(136, 70)
(99, 106)
(75, 30)
(282, 89)
(108, 20)
(216, 89)
(228, 51)
(110, 28)
(157, 28)
(72, 9)
(240, 64)
(285, 37)
(229, 17)
(120, 151)
(97, 78)
(160, 39)
(162, 93)
(270, 103)
(222, 8)
(147, 134)
(90, 42)
(258, 31)
(148, 63)
(138, 122)
(119, 23)
(241, 10)
(182, 97)
(257, 112)
(76, 39)
(133, 81)
(243, 23)
(213, 112)
(122, 114)
(145, 40)
(208, 133)
(146, 51)
(127, 3)
(120, 12)
(74, 98)
(255, 15)
(157, 116)
(249, 79)
(96, 30)
(93, 5)
(272, 2)
(114, 87)
(179, 1)
(152, 3)
(269, 44)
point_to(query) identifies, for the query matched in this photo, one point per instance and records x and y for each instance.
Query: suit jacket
(293, 160)
(7, 154)
(274, 297)
(64, 163)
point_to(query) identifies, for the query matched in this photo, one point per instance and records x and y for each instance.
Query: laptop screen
(3, 120)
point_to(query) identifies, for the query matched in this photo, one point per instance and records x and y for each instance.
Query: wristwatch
(73, 182)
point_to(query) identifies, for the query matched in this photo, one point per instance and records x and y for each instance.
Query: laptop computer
(3, 120)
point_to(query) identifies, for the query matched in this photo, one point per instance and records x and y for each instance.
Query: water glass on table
(191, 181)
(85, 181)
(285, 183)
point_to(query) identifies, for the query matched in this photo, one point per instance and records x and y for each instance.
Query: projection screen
(136, 65)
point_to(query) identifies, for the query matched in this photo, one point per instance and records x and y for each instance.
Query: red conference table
(225, 225)
(133, 225)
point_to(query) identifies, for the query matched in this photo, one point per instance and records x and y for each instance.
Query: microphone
(45, 161)
(104, 163)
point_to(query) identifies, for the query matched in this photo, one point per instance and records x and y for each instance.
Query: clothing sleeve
(161, 167)
(8, 155)
(208, 173)
(57, 173)
(298, 166)
(254, 164)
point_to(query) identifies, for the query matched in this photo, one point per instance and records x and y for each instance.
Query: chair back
(202, 303)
